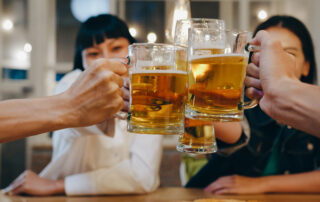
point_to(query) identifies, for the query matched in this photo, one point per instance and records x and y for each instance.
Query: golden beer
(198, 137)
(216, 83)
(158, 96)
(181, 59)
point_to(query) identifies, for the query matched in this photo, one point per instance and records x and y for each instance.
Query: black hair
(300, 30)
(95, 30)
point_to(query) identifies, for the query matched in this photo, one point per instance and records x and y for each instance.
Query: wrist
(279, 96)
(276, 88)
(267, 183)
(58, 187)
(66, 116)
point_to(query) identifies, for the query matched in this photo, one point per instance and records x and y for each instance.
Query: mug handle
(120, 114)
(252, 48)
(250, 104)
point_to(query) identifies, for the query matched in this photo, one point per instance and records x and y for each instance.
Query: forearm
(228, 132)
(303, 183)
(58, 187)
(296, 104)
(25, 117)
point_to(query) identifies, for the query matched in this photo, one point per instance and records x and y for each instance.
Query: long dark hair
(96, 30)
(300, 30)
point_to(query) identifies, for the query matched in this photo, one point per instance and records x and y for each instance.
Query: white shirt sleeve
(67, 81)
(139, 173)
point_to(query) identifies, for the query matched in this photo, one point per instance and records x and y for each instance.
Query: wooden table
(168, 194)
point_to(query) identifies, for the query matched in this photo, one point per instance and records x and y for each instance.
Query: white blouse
(92, 162)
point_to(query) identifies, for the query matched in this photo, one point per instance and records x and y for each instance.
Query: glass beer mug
(181, 36)
(217, 62)
(198, 135)
(158, 90)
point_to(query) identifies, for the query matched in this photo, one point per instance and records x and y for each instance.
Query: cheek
(87, 62)
(299, 67)
(122, 53)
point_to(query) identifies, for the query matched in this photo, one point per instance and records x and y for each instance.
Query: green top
(193, 164)
(272, 165)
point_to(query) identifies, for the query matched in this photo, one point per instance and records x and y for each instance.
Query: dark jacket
(298, 152)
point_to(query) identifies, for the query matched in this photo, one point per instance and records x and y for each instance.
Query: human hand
(30, 183)
(252, 82)
(272, 70)
(96, 95)
(236, 184)
(274, 63)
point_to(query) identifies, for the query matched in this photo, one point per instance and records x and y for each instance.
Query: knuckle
(107, 75)
(249, 81)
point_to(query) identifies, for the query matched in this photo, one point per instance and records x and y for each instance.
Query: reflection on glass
(198, 137)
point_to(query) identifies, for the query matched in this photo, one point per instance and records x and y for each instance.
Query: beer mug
(198, 137)
(217, 62)
(181, 36)
(158, 91)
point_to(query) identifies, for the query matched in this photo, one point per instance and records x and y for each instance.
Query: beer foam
(158, 72)
(209, 45)
(145, 63)
(195, 57)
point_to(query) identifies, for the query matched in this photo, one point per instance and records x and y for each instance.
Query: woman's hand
(236, 184)
(30, 183)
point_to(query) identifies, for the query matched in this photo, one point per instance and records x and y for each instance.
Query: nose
(106, 54)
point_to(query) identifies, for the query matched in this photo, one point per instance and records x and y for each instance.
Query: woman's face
(109, 48)
(292, 45)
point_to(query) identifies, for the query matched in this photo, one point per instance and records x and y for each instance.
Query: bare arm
(93, 98)
(228, 132)
(26, 117)
(308, 182)
(298, 105)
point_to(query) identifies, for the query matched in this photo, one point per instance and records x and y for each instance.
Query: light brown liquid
(197, 133)
(181, 60)
(158, 99)
(216, 83)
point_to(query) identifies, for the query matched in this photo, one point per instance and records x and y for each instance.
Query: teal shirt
(273, 162)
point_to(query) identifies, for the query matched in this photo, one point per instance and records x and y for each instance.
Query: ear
(306, 69)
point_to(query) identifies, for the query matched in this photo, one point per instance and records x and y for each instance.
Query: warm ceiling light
(7, 25)
(133, 31)
(262, 15)
(27, 47)
(152, 37)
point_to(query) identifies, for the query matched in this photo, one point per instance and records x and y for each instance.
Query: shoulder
(67, 81)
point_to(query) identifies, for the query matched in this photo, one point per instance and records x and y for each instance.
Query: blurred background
(37, 45)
